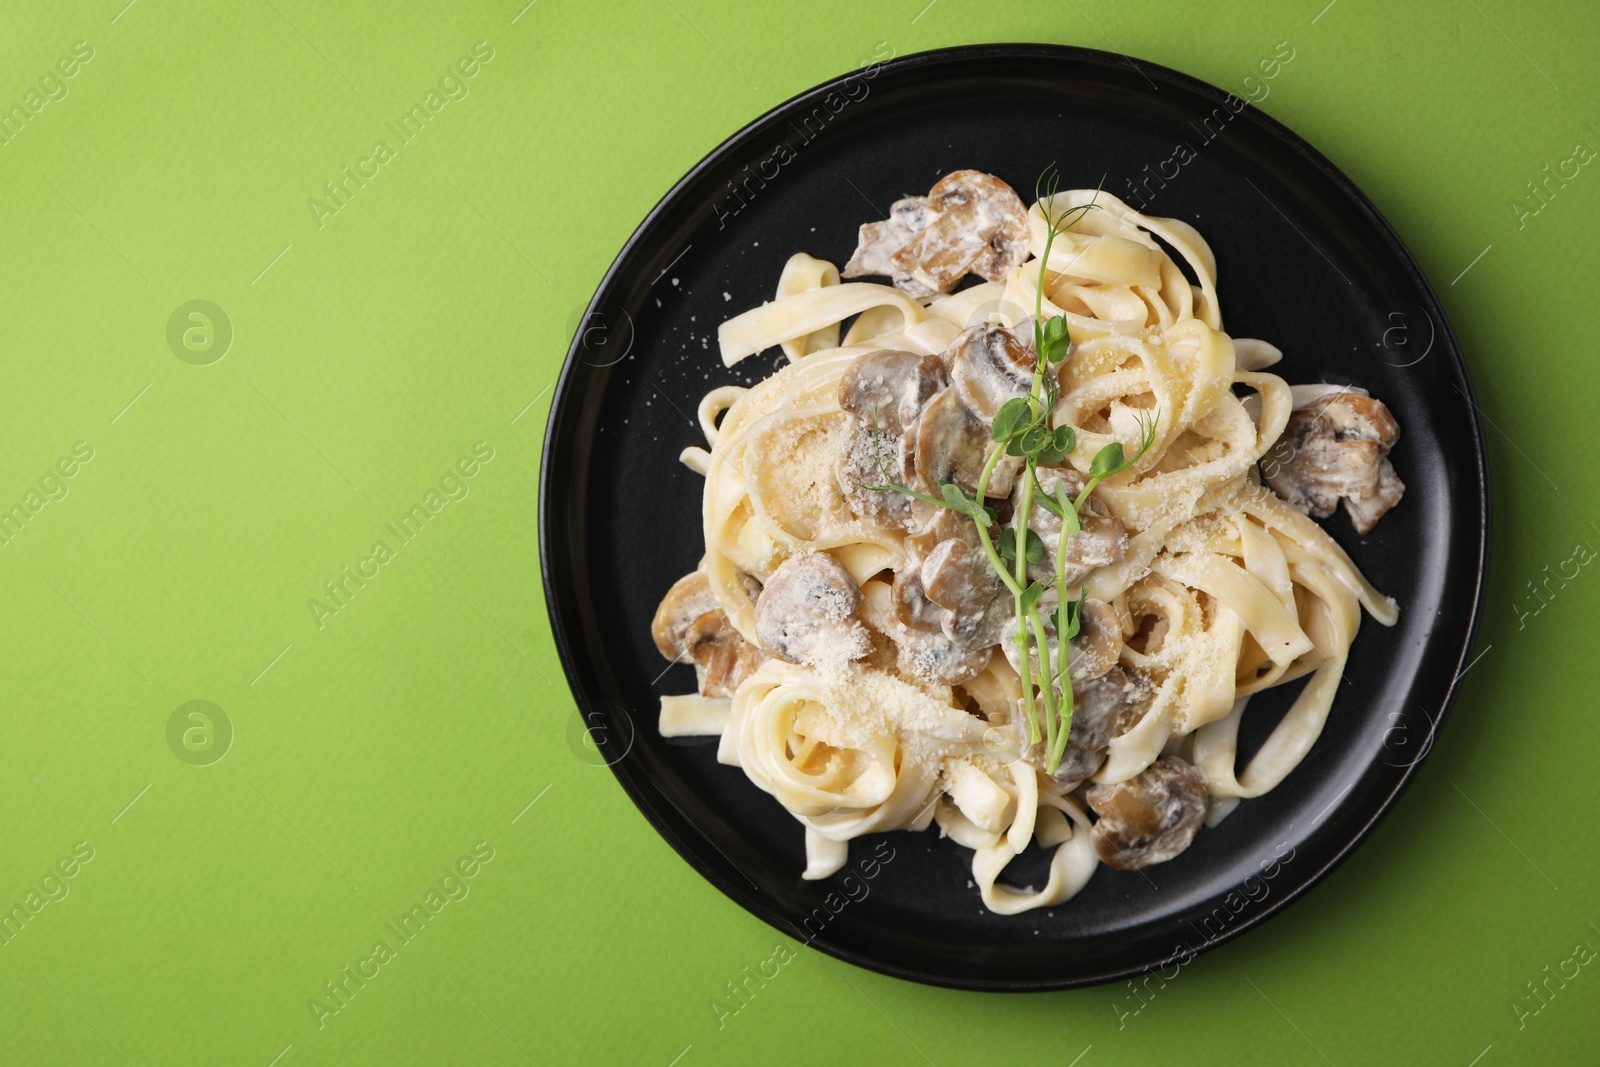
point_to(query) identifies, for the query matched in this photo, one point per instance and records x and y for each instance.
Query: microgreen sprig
(1021, 429)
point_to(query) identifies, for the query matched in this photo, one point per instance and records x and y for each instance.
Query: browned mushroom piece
(969, 222)
(690, 625)
(1103, 709)
(934, 657)
(957, 576)
(722, 657)
(982, 628)
(1334, 448)
(976, 223)
(807, 612)
(1101, 542)
(989, 365)
(1009, 647)
(942, 525)
(1098, 644)
(689, 598)
(1365, 511)
(950, 445)
(911, 604)
(872, 458)
(879, 241)
(1091, 653)
(888, 389)
(1149, 818)
(925, 653)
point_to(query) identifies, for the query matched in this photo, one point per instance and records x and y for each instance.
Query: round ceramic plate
(1305, 261)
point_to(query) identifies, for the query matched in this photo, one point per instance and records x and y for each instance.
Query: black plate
(1305, 261)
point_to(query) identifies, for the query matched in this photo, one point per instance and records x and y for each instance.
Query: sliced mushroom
(959, 577)
(1101, 542)
(950, 588)
(942, 525)
(976, 223)
(1103, 709)
(1149, 818)
(928, 655)
(1365, 511)
(989, 365)
(691, 625)
(911, 604)
(689, 598)
(879, 241)
(1003, 479)
(1098, 644)
(935, 658)
(1008, 639)
(982, 628)
(888, 389)
(870, 458)
(722, 657)
(950, 445)
(807, 612)
(969, 222)
(1336, 447)
(1356, 415)
(1075, 481)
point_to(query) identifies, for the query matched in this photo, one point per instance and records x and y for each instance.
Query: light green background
(432, 313)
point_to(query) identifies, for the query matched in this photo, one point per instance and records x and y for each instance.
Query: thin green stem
(1069, 526)
(983, 535)
(1020, 563)
(1046, 675)
(1027, 676)
(1038, 297)
(1024, 507)
(892, 487)
(1059, 747)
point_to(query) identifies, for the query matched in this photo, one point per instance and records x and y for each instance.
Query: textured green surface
(370, 355)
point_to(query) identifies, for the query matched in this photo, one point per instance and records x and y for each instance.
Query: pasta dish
(1009, 555)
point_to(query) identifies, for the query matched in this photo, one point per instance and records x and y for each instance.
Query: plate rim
(1092, 63)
